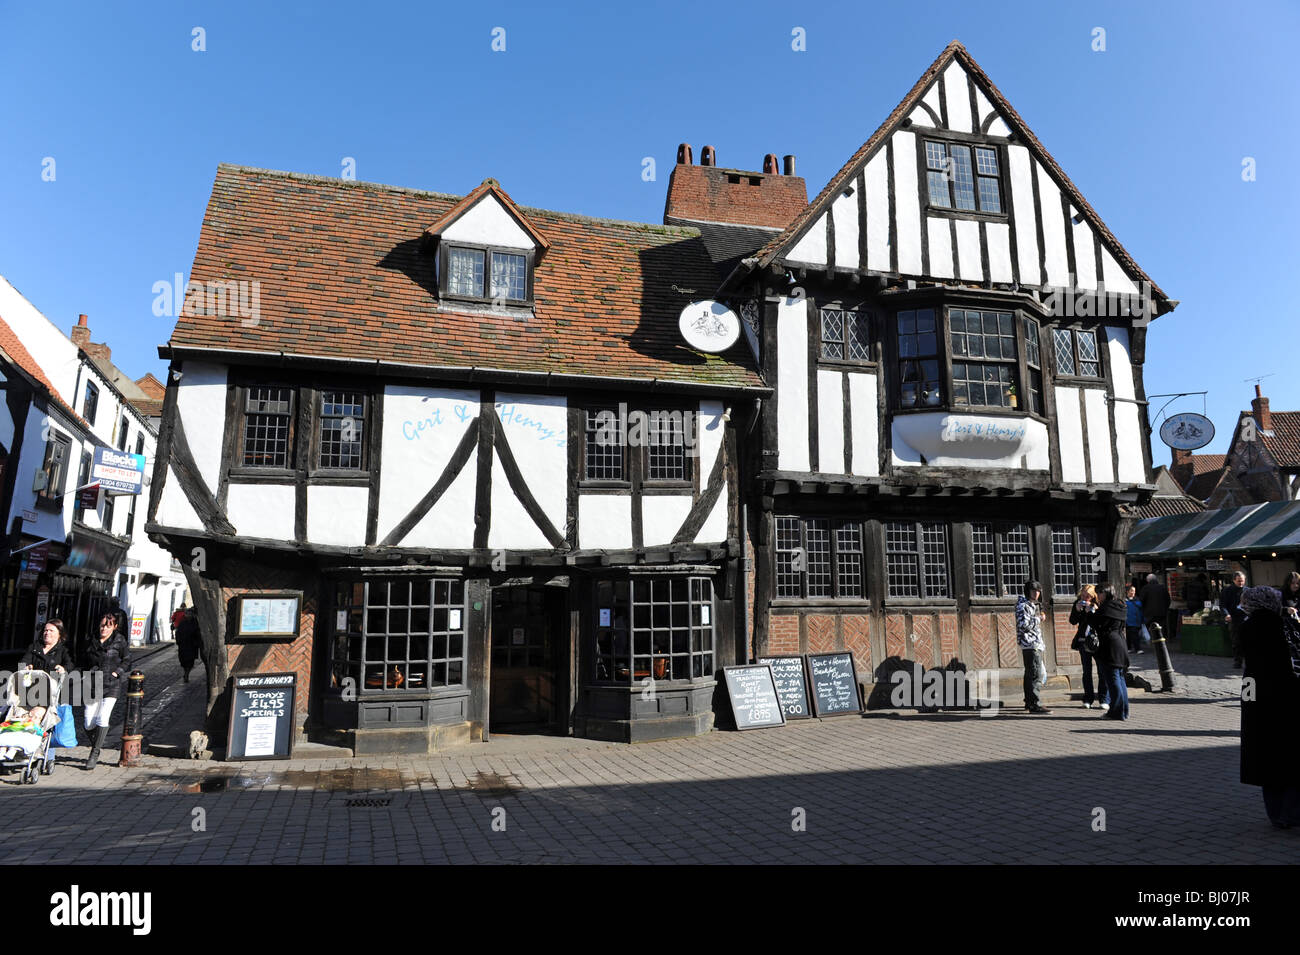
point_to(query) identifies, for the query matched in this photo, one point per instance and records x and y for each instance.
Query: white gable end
(488, 223)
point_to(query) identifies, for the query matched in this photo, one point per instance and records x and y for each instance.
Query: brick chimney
(1180, 469)
(1263, 417)
(709, 193)
(81, 332)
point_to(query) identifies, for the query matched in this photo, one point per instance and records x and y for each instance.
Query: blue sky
(1153, 130)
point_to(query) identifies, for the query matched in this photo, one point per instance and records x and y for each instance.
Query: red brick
(895, 636)
(857, 638)
(981, 626)
(821, 633)
(948, 649)
(923, 639)
(783, 634)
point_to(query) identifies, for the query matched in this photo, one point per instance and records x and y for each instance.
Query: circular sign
(1187, 431)
(709, 326)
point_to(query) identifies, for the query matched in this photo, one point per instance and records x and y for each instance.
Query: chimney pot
(684, 155)
(708, 157)
(81, 320)
(769, 164)
(789, 165)
(80, 332)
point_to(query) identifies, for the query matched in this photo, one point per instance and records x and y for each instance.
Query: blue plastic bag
(1146, 634)
(65, 733)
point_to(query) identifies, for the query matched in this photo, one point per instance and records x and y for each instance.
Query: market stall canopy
(1240, 530)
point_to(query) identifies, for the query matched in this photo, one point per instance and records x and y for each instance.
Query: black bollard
(133, 720)
(1163, 660)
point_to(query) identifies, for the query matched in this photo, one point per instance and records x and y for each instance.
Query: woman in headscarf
(1270, 703)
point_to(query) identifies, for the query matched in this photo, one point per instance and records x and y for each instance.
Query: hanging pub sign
(791, 688)
(1187, 431)
(33, 563)
(261, 716)
(93, 552)
(752, 693)
(709, 326)
(268, 616)
(834, 683)
(118, 472)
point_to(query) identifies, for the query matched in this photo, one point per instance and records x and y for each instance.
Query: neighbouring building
(75, 546)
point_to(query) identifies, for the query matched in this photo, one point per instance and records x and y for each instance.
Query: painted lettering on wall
(517, 416)
(514, 416)
(981, 429)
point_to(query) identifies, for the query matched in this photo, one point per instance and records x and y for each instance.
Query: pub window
(916, 559)
(955, 182)
(604, 445)
(1076, 352)
(58, 449)
(268, 427)
(666, 454)
(90, 404)
(342, 429)
(918, 359)
(818, 557)
(845, 335)
(401, 633)
(653, 628)
(1002, 559)
(486, 274)
(1073, 558)
(984, 358)
(660, 442)
(1034, 366)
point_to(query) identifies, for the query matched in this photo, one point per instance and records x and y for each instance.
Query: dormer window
(507, 273)
(963, 177)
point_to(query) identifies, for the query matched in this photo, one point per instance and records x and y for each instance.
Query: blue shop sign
(118, 472)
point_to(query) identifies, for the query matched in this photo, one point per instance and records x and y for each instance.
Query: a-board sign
(271, 616)
(752, 692)
(261, 716)
(791, 688)
(834, 684)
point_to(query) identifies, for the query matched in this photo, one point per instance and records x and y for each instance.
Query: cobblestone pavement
(909, 788)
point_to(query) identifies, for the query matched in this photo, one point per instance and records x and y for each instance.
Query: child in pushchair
(31, 698)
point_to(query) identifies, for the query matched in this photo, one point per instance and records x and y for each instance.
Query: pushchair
(31, 700)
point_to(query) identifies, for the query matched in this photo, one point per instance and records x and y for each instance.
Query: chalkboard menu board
(261, 716)
(753, 696)
(791, 689)
(834, 683)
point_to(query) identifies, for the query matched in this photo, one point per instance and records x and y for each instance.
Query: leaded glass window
(1034, 364)
(342, 427)
(991, 338)
(955, 181)
(667, 451)
(845, 335)
(916, 559)
(604, 445)
(465, 271)
(918, 359)
(653, 628)
(509, 276)
(1002, 559)
(1076, 352)
(1074, 561)
(268, 427)
(818, 557)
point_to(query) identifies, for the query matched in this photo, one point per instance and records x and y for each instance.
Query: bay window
(653, 627)
(918, 359)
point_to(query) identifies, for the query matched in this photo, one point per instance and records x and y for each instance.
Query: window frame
(918, 539)
(83, 479)
(636, 459)
(90, 403)
(873, 335)
(949, 138)
(314, 469)
(1006, 589)
(237, 465)
(44, 498)
(444, 274)
(836, 524)
(1075, 376)
(695, 584)
(1076, 556)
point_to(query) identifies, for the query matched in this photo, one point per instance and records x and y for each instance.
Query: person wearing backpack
(110, 655)
(1087, 644)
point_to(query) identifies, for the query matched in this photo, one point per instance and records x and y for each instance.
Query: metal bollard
(133, 720)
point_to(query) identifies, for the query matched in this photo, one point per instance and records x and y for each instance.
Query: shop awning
(1233, 530)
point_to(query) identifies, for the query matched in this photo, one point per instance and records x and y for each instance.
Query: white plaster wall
(422, 427)
(605, 521)
(261, 510)
(920, 117)
(982, 106)
(792, 384)
(845, 211)
(877, 177)
(487, 223)
(1049, 201)
(907, 202)
(174, 509)
(662, 516)
(536, 426)
(830, 422)
(958, 96)
(866, 424)
(449, 524)
(511, 527)
(201, 403)
(711, 431)
(1098, 424)
(1131, 467)
(940, 238)
(337, 515)
(999, 236)
(1116, 279)
(931, 99)
(968, 250)
(1085, 259)
(1069, 436)
(714, 528)
(1022, 204)
(50, 346)
(32, 457)
(811, 247)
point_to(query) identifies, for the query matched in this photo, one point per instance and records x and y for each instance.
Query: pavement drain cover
(368, 802)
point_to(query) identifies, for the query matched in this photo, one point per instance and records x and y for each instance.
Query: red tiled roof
(1204, 463)
(1284, 443)
(151, 386)
(17, 352)
(342, 273)
(953, 50)
(711, 194)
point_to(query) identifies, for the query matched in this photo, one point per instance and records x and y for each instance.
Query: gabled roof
(13, 349)
(1168, 499)
(1282, 440)
(488, 187)
(343, 273)
(954, 50)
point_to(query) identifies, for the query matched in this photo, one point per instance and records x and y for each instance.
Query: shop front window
(657, 628)
(402, 633)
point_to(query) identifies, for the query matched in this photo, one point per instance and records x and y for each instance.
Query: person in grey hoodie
(1029, 636)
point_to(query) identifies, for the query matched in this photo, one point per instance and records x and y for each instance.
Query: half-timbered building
(468, 440)
(955, 341)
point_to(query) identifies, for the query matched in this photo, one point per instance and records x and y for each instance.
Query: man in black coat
(1270, 702)
(1155, 606)
(1230, 603)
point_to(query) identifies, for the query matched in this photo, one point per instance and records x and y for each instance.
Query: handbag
(65, 731)
(1086, 642)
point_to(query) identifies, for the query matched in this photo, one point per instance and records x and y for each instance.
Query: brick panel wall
(981, 626)
(783, 634)
(821, 633)
(948, 648)
(895, 636)
(856, 629)
(923, 639)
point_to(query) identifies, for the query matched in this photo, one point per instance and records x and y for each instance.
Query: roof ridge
(451, 197)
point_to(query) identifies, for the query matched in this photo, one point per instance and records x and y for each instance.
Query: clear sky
(1154, 131)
